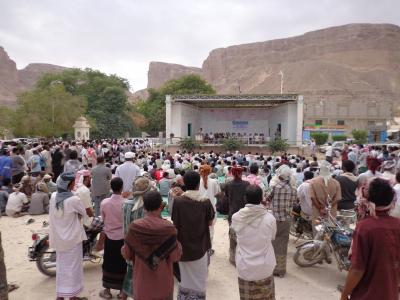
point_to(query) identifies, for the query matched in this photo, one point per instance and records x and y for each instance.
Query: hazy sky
(123, 36)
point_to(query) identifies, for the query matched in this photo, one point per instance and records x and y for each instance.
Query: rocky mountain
(337, 64)
(160, 72)
(14, 81)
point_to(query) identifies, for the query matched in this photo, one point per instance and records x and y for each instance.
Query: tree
(153, 109)
(48, 112)
(277, 145)
(6, 120)
(360, 136)
(106, 96)
(231, 144)
(320, 137)
(339, 137)
(188, 144)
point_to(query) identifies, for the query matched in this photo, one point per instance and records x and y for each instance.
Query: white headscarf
(325, 171)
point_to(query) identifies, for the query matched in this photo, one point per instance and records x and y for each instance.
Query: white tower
(82, 129)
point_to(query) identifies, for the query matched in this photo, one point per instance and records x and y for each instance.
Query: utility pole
(281, 73)
(53, 103)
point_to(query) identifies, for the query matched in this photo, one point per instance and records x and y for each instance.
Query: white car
(336, 146)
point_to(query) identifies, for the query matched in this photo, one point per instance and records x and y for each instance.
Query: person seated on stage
(211, 138)
(206, 138)
(17, 203)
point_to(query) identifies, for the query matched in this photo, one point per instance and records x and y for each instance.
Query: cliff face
(160, 72)
(14, 81)
(351, 58)
(344, 67)
(8, 79)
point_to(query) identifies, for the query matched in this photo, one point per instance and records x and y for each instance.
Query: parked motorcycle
(332, 237)
(46, 258)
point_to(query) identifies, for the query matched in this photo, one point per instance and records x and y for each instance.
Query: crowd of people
(127, 186)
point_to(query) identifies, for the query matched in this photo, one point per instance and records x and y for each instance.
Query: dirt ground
(300, 283)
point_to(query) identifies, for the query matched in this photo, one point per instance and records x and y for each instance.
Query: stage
(255, 119)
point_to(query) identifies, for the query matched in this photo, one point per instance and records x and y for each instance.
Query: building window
(340, 122)
(318, 122)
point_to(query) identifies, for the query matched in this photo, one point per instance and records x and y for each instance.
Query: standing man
(83, 192)
(34, 163)
(18, 166)
(235, 191)
(329, 153)
(5, 165)
(153, 272)
(375, 260)
(255, 229)
(132, 210)
(192, 215)
(57, 162)
(282, 196)
(114, 265)
(324, 190)
(66, 236)
(128, 171)
(348, 185)
(101, 176)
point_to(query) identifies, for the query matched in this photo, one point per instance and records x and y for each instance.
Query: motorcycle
(46, 258)
(300, 227)
(332, 237)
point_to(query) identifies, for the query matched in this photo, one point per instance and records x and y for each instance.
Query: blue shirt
(5, 166)
(34, 163)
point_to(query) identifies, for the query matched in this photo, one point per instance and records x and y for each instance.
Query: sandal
(105, 294)
(12, 287)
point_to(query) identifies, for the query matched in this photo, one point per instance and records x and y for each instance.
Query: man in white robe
(66, 236)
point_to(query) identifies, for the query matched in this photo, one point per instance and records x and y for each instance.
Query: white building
(82, 129)
(242, 115)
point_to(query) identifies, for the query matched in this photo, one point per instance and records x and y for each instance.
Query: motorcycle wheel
(43, 260)
(308, 256)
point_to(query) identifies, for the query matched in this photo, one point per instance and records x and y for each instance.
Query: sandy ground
(300, 283)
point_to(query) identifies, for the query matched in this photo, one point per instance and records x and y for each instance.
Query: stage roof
(239, 101)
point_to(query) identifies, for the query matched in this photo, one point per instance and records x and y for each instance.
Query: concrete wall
(181, 115)
(278, 115)
(226, 120)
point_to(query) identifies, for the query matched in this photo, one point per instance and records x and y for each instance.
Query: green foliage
(48, 111)
(231, 144)
(277, 145)
(360, 136)
(188, 144)
(320, 137)
(339, 137)
(6, 120)
(106, 97)
(153, 109)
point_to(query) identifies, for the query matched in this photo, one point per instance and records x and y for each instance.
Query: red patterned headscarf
(237, 172)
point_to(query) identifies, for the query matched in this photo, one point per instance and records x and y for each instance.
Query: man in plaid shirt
(282, 197)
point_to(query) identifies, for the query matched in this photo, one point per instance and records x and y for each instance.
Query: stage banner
(240, 125)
